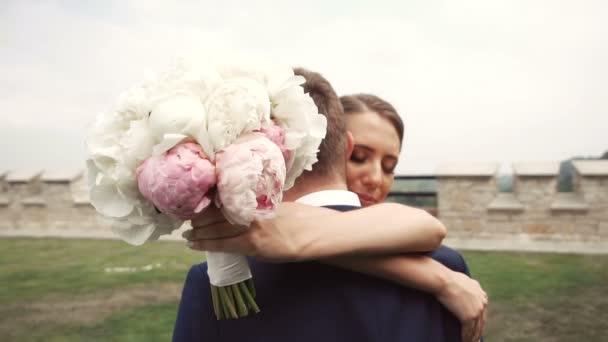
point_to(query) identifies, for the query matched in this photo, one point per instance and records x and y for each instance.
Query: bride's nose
(373, 175)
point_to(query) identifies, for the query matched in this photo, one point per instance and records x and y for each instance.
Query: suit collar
(330, 198)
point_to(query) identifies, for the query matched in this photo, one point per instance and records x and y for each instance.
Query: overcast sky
(503, 81)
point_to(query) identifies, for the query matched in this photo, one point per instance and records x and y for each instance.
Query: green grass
(544, 297)
(66, 272)
(522, 276)
(31, 268)
(534, 297)
(150, 323)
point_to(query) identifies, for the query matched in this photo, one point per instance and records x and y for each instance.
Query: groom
(310, 301)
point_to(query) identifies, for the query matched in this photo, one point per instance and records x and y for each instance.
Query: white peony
(236, 106)
(180, 114)
(183, 78)
(304, 127)
(144, 223)
(133, 104)
(244, 70)
(175, 119)
(271, 75)
(110, 197)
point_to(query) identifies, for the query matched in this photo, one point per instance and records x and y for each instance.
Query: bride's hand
(273, 240)
(212, 225)
(465, 298)
(262, 240)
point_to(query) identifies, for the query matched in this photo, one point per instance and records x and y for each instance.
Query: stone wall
(469, 204)
(53, 201)
(472, 208)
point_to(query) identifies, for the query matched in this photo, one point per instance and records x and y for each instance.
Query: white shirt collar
(330, 197)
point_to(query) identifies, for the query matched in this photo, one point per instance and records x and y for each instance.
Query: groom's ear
(350, 144)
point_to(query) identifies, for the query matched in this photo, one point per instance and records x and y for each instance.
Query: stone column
(591, 181)
(535, 186)
(464, 192)
(24, 189)
(5, 201)
(57, 195)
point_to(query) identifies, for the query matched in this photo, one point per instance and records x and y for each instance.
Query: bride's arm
(379, 229)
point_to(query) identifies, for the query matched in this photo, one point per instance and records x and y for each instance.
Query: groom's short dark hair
(332, 152)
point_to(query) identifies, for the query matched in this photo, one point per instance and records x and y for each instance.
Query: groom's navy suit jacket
(313, 302)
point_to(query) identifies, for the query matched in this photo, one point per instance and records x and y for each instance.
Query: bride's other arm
(382, 228)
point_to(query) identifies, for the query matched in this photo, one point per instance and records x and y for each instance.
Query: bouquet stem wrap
(232, 288)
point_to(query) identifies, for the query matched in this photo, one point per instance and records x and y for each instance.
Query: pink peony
(276, 134)
(178, 181)
(251, 175)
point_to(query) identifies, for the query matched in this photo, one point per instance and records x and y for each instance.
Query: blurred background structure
(535, 211)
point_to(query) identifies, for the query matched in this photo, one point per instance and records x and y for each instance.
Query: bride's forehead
(373, 129)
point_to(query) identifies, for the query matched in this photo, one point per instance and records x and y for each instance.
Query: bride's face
(370, 169)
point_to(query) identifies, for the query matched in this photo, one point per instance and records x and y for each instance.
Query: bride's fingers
(215, 231)
(210, 215)
(468, 331)
(480, 322)
(477, 335)
(484, 319)
(477, 330)
(229, 245)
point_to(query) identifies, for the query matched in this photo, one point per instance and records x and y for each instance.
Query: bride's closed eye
(358, 157)
(362, 155)
(389, 169)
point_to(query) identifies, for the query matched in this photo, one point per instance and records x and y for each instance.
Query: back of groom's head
(332, 151)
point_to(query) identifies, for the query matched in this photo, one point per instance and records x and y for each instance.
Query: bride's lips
(366, 199)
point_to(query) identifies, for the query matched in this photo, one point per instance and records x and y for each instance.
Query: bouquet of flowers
(196, 137)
